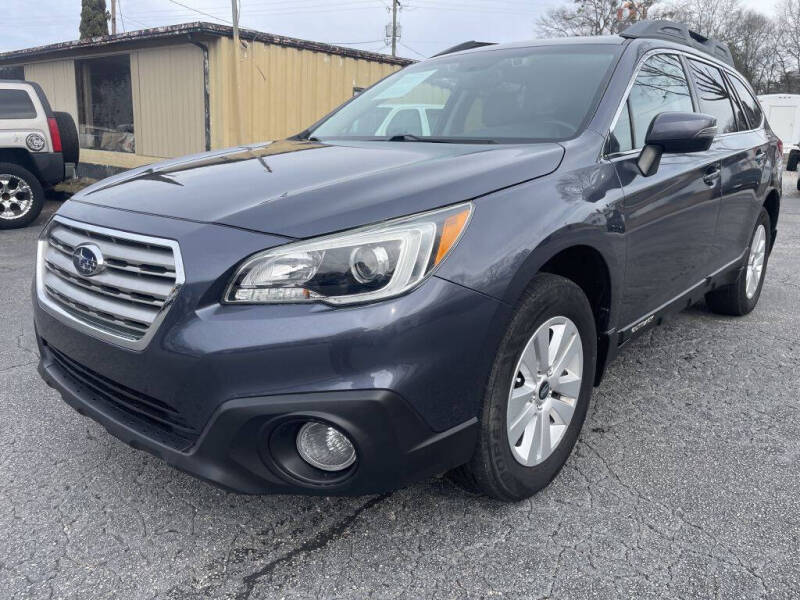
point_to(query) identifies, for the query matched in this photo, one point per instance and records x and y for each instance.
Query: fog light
(325, 447)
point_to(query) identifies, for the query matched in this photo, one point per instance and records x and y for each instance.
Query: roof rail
(464, 46)
(680, 33)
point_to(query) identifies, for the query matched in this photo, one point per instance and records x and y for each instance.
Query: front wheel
(538, 393)
(741, 297)
(21, 196)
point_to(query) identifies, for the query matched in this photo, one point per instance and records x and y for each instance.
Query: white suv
(36, 144)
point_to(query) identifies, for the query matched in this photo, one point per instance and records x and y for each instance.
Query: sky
(428, 26)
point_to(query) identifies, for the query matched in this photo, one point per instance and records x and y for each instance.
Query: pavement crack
(17, 366)
(317, 542)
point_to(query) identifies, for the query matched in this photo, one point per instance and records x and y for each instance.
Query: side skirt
(611, 342)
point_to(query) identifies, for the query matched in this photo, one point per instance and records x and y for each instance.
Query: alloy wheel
(755, 261)
(16, 197)
(544, 391)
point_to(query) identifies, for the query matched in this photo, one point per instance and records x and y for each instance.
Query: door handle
(711, 175)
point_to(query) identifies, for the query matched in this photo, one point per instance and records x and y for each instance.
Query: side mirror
(675, 133)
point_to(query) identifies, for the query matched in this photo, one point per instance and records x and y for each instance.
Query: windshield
(543, 93)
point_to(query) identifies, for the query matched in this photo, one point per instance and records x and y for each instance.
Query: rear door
(742, 152)
(670, 217)
(737, 221)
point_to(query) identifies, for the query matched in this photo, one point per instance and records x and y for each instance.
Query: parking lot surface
(684, 484)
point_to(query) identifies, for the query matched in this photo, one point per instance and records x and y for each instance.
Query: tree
(753, 38)
(712, 19)
(753, 41)
(788, 23)
(593, 17)
(94, 18)
(765, 50)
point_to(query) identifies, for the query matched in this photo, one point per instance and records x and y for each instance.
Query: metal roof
(197, 29)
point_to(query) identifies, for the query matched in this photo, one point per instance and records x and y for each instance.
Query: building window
(105, 104)
(12, 72)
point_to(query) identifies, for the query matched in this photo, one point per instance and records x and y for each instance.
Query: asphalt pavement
(684, 484)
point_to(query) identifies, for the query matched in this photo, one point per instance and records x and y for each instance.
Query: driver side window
(661, 86)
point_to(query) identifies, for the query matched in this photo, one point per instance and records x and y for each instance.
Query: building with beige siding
(141, 96)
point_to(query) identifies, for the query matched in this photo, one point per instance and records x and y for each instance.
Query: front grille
(147, 415)
(128, 298)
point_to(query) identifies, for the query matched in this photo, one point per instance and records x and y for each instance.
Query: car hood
(301, 189)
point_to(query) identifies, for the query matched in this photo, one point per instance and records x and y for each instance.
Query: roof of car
(609, 40)
(614, 40)
(656, 43)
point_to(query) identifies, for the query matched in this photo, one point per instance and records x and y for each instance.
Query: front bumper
(403, 378)
(395, 447)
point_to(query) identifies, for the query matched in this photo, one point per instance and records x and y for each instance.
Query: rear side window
(661, 86)
(16, 104)
(713, 96)
(752, 109)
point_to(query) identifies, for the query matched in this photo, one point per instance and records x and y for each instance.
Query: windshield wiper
(410, 137)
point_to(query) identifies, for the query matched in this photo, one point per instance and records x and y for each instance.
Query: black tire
(791, 162)
(17, 173)
(70, 146)
(493, 469)
(732, 299)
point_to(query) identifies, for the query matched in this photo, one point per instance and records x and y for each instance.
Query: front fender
(514, 232)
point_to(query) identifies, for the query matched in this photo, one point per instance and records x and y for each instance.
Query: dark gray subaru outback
(431, 278)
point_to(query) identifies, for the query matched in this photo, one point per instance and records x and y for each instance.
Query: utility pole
(395, 6)
(113, 17)
(237, 92)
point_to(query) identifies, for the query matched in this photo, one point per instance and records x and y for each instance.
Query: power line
(121, 17)
(182, 10)
(252, 13)
(412, 50)
(138, 22)
(200, 12)
(266, 6)
(355, 43)
(484, 4)
(474, 8)
(281, 5)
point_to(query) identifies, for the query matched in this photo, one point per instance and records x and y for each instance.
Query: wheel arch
(20, 157)
(772, 204)
(593, 263)
(586, 267)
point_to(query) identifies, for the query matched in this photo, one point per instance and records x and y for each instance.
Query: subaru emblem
(88, 260)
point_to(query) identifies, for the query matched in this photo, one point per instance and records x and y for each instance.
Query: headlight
(362, 265)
